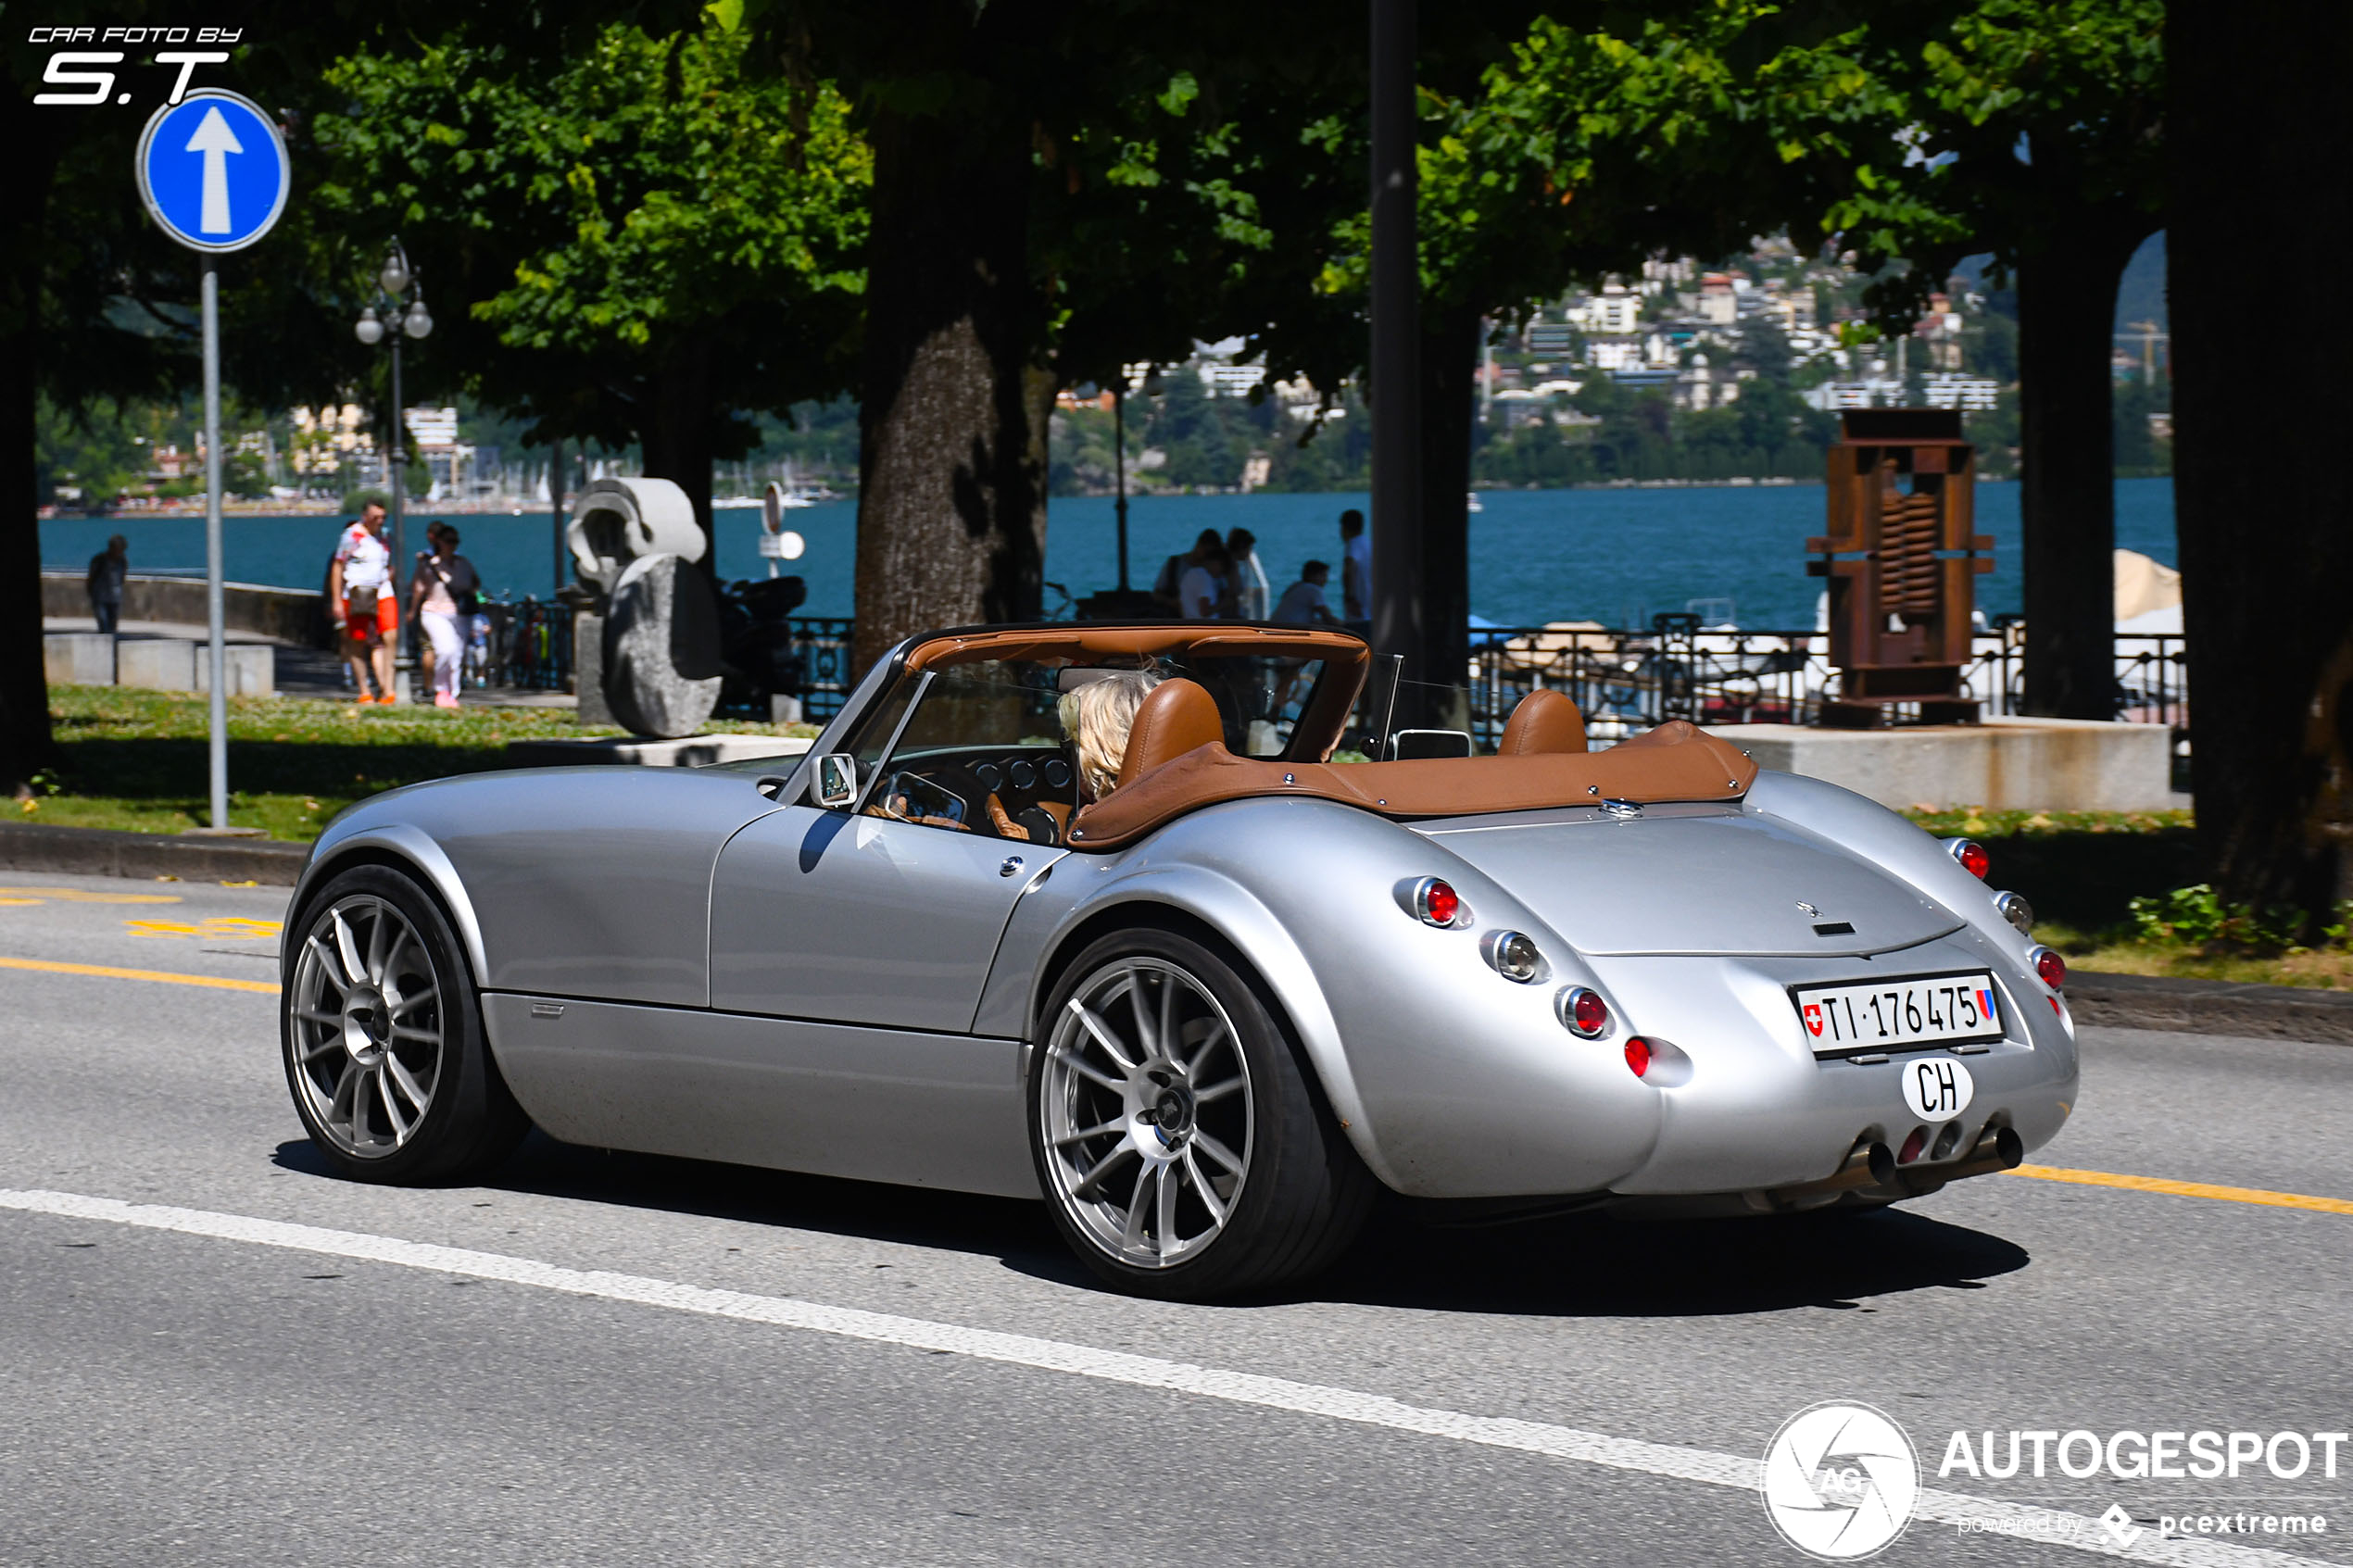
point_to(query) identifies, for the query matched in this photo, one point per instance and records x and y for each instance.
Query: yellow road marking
(82, 895)
(2188, 1189)
(231, 928)
(104, 972)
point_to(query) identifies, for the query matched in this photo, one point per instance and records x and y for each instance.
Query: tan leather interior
(1675, 761)
(1545, 723)
(1179, 716)
(1316, 733)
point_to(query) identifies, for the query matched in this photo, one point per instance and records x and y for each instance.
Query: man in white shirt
(1202, 588)
(1355, 570)
(360, 598)
(1252, 594)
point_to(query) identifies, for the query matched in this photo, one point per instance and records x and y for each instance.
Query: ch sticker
(1937, 1088)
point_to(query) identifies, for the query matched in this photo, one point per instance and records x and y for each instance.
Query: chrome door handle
(1013, 864)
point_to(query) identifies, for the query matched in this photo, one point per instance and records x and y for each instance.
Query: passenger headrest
(1178, 717)
(1545, 723)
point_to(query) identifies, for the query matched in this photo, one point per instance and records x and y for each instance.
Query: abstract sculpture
(646, 648)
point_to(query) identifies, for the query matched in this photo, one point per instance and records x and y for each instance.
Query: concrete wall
(171, 664)
(288, 615)
(2007, 763)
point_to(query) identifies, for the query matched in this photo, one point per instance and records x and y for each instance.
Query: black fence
(529, 648)
(1623, 680)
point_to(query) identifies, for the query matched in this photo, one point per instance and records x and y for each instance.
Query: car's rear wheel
(383, 1038)
(1183, 1150)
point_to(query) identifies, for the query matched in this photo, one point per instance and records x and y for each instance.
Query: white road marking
(2050, 1526)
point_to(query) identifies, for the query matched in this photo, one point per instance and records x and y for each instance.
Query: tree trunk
(26, 744)
(675, 436)
(2255, 134)
(2066, 314)
(1449, 367)
(951, 508)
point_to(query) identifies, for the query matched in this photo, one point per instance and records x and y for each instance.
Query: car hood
(1694, 879)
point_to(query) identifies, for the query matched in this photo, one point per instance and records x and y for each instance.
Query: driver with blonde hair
(1097, 717)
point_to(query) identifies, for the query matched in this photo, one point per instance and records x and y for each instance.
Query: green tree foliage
(653, 242)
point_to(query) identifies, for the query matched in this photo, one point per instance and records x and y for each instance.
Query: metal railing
(1626, 680)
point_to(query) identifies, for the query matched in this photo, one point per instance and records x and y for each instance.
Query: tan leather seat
(1545, 723)
(1178, 717)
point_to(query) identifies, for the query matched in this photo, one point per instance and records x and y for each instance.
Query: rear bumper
(1754, 1114)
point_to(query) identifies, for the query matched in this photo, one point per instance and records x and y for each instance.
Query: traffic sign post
(212, 170)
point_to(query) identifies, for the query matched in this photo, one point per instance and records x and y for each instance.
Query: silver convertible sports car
(1086, 913)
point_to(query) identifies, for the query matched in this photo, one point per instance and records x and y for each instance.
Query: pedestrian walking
(1356, 572)
(1304, 603)
(359, 596)
(1167, 587)
(1203, 591)
(1253, 594)
(107, 569)
(442, 596)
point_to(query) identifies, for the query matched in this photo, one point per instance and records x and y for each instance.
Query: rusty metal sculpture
(1902, 562)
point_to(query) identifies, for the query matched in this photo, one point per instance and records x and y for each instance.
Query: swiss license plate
(1919, 1010)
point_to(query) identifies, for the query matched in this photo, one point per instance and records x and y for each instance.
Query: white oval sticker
(1937, 1088)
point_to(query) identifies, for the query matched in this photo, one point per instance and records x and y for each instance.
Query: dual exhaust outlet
(1872, 1165)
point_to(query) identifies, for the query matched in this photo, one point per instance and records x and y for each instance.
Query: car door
(822, 914)
(888, 912)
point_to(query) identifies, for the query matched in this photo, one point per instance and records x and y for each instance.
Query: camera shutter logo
(1840, 1481)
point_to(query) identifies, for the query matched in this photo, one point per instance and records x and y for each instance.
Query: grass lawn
(136, 759)
(2081, 871)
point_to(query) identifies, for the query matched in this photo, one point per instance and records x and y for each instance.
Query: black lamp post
(394, 315)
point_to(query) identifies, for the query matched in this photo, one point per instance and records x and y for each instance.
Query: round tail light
(2049, 968)
(1584, 1012)
(1971, 854)
(1435, 902)
(1638, 1055)
(1515, 956)
(1912, 1147)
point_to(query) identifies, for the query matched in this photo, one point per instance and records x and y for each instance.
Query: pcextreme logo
(1840, 1481)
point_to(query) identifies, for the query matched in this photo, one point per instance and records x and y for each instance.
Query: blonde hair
(1097, 717)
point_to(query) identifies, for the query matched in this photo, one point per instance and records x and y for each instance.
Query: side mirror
(837, 780)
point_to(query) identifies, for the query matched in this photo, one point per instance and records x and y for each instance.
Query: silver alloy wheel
(366, 1018)
(1147, 1111)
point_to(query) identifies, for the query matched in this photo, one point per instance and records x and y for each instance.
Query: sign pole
(217, 717)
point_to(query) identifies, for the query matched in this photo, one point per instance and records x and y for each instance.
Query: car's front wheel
(383, 1038)
(1184, 1151)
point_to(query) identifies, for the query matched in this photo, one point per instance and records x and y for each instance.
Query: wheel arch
(1202, 903)
(403, 848)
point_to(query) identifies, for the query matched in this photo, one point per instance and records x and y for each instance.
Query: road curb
(2211, 1006)
(33, 846)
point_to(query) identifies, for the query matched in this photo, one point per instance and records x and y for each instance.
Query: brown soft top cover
(1675, 761)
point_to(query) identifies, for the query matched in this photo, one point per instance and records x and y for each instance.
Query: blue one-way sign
(212, 169)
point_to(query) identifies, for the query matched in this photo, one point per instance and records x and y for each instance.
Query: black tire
(1303, 1194)
(469, 1121)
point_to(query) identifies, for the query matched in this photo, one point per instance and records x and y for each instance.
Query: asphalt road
(214, 1390)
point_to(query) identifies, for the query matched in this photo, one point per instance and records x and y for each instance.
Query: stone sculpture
(645, 636)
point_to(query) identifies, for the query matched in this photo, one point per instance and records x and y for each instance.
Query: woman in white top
(442, 596)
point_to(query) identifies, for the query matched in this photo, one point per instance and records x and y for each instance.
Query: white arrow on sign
(215, 140)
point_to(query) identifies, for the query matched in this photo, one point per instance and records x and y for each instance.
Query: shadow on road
(1593, 1266)
(1573, 1266)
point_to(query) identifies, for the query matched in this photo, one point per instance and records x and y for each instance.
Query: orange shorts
(364, 624)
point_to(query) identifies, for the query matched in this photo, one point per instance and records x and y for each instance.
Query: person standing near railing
(107, 569)
(360, 597)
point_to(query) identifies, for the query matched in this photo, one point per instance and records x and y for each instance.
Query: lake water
(1612, 556)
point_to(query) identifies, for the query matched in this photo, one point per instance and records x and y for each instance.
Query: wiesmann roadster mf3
(1206, 1008)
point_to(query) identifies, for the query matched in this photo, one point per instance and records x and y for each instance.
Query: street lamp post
(394, 315)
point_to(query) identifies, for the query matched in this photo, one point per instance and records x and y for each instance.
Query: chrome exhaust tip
(1998, 1148)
